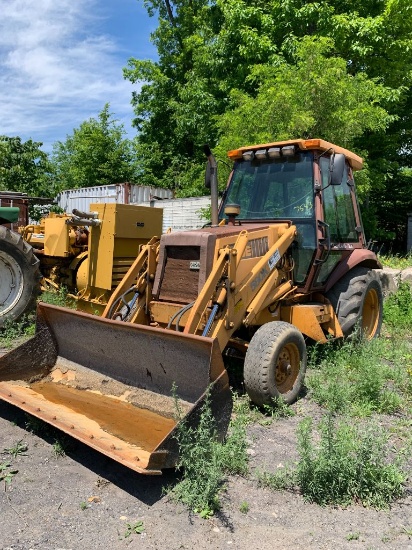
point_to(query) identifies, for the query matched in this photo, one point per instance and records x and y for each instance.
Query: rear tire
(358, 300)
(19, 276)
(275, 363)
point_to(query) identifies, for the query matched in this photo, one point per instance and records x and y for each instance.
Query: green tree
(215, 56)
(315, 96)
(97, 153)
(24, 167)
(374, 39)
(178, 98)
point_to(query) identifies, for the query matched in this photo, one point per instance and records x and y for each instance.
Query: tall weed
(340, 464)
(349, 464)
(205, 461)
(234, 457)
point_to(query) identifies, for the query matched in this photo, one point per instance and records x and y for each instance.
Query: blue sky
(62, 60)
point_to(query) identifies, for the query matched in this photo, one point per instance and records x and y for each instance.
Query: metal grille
(180, 280)
(120, 268)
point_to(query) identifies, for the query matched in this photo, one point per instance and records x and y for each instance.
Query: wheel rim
(287, 368)
(370, 314)
(11, 286)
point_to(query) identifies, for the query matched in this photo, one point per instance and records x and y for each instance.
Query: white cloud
(57, 69)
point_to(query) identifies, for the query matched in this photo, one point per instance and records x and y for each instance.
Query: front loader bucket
(109, 384)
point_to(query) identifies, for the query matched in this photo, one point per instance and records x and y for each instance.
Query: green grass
(7, 473)
(356, 378)
(15, 330)
(353, 536)
(7, 470)
(361, 378)
(25, 327)
(348, 464)
(19, 448)
(59, 297)
(60, 446)
(397, 311)
(396, 261)
(244, 507)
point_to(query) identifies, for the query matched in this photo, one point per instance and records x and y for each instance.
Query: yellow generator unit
(90, 252)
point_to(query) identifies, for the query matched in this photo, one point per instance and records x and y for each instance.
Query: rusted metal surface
(109, 384)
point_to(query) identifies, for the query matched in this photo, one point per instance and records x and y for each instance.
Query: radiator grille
(180, 282)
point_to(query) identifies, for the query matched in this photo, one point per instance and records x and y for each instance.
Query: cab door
(341, 226)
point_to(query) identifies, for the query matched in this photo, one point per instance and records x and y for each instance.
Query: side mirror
(336, 168)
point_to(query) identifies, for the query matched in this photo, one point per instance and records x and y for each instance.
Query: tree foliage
(24, 167)
(175, 105)
(314, 96)
(97, 153)
(231, 72)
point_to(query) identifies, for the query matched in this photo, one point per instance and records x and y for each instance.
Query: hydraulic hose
(179, 314)
(121, 298)
(210, 320)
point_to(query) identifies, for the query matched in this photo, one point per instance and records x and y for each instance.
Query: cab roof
(315, 144)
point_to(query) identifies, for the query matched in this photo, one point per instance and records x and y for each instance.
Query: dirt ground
(84, 500)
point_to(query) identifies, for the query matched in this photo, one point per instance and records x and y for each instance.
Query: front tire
(275, 364)
(19, 276)
(358, 302)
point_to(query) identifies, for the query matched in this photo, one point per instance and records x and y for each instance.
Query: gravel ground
(83, 499)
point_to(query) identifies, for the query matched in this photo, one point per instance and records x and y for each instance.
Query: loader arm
(138, 279)
(237, 302)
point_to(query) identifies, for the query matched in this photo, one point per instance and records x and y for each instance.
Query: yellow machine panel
(56, 237)
(117, 240)
(113, 246)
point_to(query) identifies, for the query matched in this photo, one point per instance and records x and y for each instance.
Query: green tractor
(19, 270)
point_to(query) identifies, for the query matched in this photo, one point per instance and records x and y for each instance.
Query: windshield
(273, 188)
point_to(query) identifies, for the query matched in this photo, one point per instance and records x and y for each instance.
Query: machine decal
(261, 276)
(273, 260)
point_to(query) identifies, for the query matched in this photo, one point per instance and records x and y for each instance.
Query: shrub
(204, 460)
(397, 309)
(348, 464)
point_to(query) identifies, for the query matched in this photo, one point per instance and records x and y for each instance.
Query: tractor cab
(309, 183)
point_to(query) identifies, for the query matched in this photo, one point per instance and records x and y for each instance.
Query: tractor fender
(359, 257)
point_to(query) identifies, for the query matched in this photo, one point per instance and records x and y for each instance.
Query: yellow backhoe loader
(284, 260)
